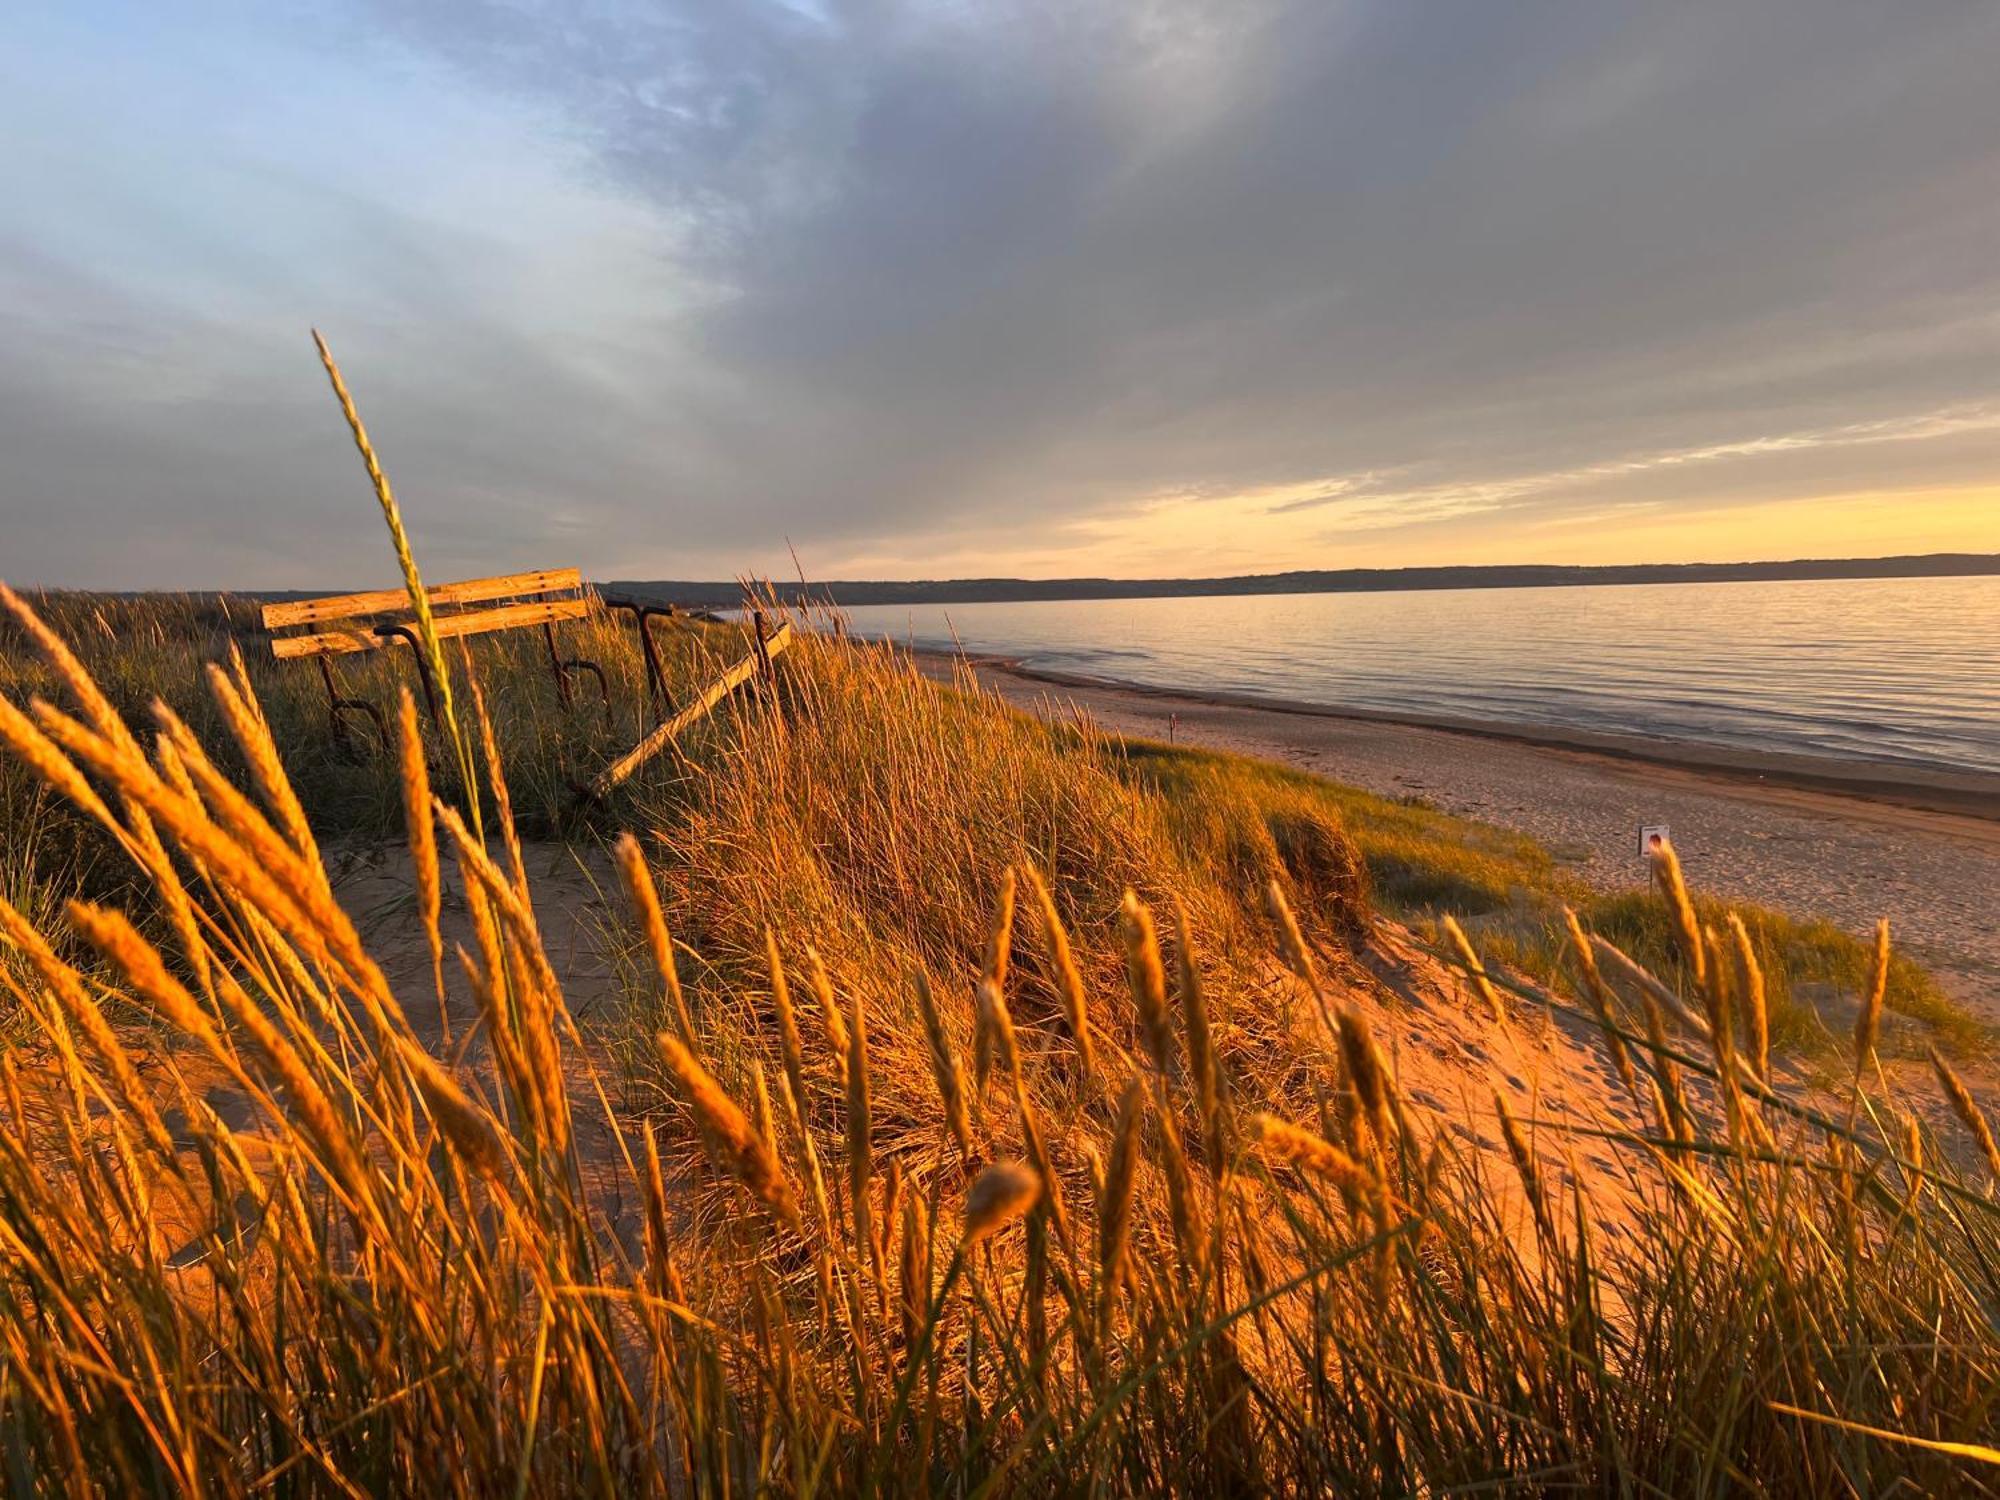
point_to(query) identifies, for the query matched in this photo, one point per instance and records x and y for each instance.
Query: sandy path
(1847, 858)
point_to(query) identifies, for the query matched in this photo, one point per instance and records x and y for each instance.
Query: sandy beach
(1849, 842)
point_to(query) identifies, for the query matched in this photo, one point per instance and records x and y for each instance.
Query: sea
(1896, 672)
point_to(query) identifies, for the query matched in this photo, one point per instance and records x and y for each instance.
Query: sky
(671, 288)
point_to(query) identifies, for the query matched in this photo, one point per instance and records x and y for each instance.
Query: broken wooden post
(763, 649)
(759, 659)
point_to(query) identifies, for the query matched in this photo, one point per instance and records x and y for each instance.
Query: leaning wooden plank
(711, 695)
(476, 622)
(381, 601)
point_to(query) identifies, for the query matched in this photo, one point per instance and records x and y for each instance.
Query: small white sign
(1651, 837)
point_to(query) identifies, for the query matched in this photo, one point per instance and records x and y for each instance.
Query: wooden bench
(383, 619)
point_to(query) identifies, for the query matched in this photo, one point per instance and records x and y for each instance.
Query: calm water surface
(1895, 670)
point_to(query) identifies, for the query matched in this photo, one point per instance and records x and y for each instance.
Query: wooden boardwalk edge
(721, 687)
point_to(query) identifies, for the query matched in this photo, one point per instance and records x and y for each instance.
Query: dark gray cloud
(915, 283)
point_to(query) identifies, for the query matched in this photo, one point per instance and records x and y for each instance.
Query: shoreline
(1848, 848)
(1927, 789)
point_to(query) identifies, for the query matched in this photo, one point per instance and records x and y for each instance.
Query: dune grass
(894, 1229)
(1424, 864)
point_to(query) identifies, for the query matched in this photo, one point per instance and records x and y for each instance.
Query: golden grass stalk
(137, 834)
(790, 1048)
(1597, 994)
(1148, 983)
(1755, 1003)
(66, 986)
(1183, 1213)
(1642, 979)
(1277, 1139)
(982, 1048)
(914, 1270)
(733, 1144)
(536, 1003)
(159, 867)
(1297, 956)
(253, 737)
(808, 1157)
(1370, 1078)
(465, 1124)
(1000, 939)
(1720, 1003)
(82, 686)
(662, 1276)
(112, 934)
(1114, 1203)
(496, 782)
(1069, 982)
(645, 899)
(1959, 1097)
(1913, 1163)
(1667, 872)
(1007, 1047)
(829, 1009)
(413, 583)
(271, 878)
(860, 1141)
(945, 1069)
(1525, 1166)
(1000, 1194)
(39, 753)
(422, 825)
(486, 982)
(762, 1114)
(241, 817)
(1473, 967)
(1203, 1062)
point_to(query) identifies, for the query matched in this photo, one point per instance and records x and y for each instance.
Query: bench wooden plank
(382, 601)
(622, 768)
(472, 622)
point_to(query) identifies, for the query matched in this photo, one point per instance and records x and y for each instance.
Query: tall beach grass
(899, 1230)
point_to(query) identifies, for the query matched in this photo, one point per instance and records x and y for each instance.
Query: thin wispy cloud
(989, 287)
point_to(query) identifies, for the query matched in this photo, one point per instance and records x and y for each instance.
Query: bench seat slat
(473, 622)
(382, 601)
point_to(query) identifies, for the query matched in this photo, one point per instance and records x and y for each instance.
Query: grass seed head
(1069, 982)
(1148, 983)
(1277, 1139)
(1000, 1194)
(1969, 1115)
(1751, 996)
(733, 1142)
(1673, 888)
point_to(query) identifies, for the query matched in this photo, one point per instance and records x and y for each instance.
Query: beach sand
(1923, 852)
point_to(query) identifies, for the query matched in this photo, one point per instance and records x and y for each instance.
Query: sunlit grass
(1424, 863)
(1227, 1254)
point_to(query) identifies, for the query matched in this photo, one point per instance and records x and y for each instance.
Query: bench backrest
(393, 605)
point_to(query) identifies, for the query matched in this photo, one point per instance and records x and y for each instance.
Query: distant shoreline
(858, 592)
(1967, 794)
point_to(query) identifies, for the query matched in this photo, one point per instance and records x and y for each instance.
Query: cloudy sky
(945, 287)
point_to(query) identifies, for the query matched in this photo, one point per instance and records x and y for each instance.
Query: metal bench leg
(556, 665)
(337, 705)
(562, 666)
(409, 637)
(656, 675)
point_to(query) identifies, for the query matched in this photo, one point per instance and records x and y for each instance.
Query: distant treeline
(1322, 581)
